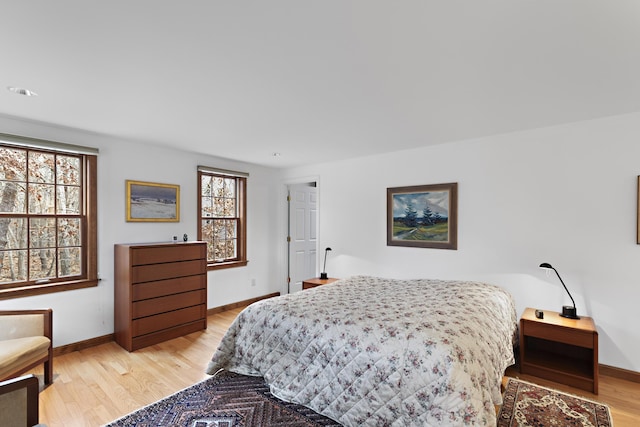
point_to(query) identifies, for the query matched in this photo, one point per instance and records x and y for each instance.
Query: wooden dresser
(160, 292)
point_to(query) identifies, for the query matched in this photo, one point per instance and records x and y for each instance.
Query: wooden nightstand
(560, 349)
(312, 283)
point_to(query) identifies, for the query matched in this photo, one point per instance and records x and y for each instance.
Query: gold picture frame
(152, 202)
(423, 216)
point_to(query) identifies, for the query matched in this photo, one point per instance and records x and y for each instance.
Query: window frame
(89, 219)
(241, 230)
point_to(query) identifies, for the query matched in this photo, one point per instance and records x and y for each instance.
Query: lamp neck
(324, 267)
(565, 287)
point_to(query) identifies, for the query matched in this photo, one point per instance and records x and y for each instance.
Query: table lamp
(568, 311)
(323, 275)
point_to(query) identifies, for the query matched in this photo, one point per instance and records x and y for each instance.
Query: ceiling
(317, 80)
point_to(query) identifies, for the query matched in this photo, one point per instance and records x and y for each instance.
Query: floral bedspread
(380, 352)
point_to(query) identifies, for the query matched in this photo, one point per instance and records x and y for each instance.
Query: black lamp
(323, 275)
(567, 310)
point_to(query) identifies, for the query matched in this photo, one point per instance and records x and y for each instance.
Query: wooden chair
(26, 341)
(19, 401)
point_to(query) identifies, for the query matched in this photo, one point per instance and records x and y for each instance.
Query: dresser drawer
(168, 303)
(167, 334)
(159, 255)
(147, 325)
(161, 288)
(558, 333)
(149, 273)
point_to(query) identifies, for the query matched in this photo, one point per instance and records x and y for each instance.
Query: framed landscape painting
(424, 216)
(152, 202)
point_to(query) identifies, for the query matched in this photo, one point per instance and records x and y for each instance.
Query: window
(222, 216)
(47, 218)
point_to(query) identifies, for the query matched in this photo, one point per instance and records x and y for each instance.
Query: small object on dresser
(185, 237)
(540, 314)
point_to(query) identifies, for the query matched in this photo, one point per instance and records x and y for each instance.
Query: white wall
(564, 195)
(88, 313)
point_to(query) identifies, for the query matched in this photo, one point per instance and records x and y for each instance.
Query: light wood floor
(97, 385)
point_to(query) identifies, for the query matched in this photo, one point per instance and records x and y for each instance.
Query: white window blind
(219, 171)
(42, 144)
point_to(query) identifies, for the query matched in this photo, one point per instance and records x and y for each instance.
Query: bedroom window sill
(229, 264)
(49, 288)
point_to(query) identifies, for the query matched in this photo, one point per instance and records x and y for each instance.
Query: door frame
(283, 265)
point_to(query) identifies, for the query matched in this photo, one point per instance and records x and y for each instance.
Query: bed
(381, 352)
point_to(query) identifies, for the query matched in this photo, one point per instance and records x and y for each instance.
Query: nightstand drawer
(558, 333)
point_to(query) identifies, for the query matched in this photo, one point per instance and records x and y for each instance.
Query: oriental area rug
(526, 404)
(232, 400)
(224, 400)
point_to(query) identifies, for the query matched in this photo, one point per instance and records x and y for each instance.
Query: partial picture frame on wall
(638, 212)
(423, 216)
(152, 202)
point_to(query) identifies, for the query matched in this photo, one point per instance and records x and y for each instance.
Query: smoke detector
(21, 91)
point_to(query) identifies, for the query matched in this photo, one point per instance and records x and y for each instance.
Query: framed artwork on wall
(152, 202)
(424, 216)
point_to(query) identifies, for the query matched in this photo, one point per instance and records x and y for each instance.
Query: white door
(303, 239)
